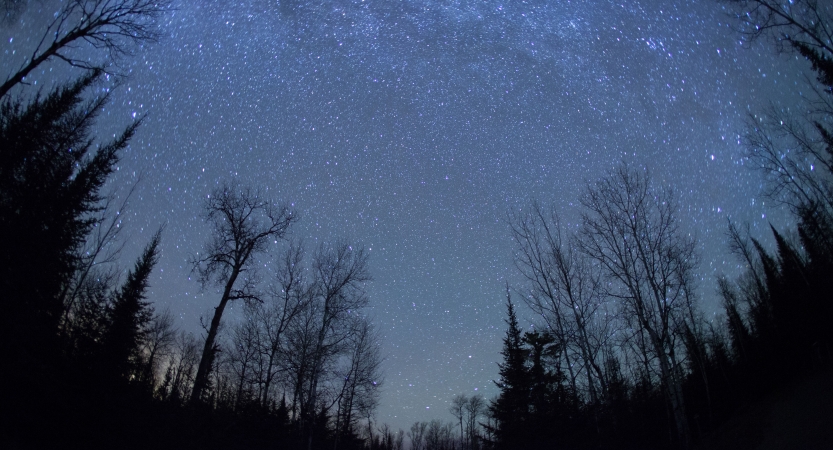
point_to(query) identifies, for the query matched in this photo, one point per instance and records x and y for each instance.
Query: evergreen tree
(510, 409)
(52, 171)
(50, 179)
(129, 316)
(544, 384)
(51, 175)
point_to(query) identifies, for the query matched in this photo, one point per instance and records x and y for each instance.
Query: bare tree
(328, 351)
(244, 355)
(157, 344)
(289, 297)
(98, 253)
(792, 24)
(467, 410)
(258, 348)
(107, 25)
(179, 374)
(417, 435)
(458, 410)
(439, 435)
(244, 225)
(360, 378)
(474, 409)
(793, 150)
(391, 440)
(399, 440)
(340, 274)
(298, 357)
(630, 229)
(567, 293)
(366, 368)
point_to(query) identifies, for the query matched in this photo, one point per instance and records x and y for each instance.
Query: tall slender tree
(510, 409)
(474, 408)
(458, 410)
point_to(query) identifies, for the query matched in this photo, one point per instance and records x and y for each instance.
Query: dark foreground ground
(799, 416)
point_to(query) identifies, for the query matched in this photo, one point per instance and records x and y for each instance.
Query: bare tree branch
(244, 225)
(630, 229)
(108, 25)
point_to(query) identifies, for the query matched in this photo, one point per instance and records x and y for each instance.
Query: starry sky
(413, 128)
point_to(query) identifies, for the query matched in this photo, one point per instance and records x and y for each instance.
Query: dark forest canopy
(622, 356)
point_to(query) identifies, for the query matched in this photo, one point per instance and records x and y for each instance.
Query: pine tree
(52, 170)
(50, 178)
(129, 316)
(543, 383)
(510, 409)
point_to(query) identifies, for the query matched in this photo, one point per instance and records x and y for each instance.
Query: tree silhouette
(794, 151)
(340, 274)
(417, 435)
(457, 409)
(474, 408)
(104, 24)
(774, 308)
(244, 225)
(799, 25)
(50, 182)
(511, 408)
(129, 316)
(631, 230)
(566, 292)
(361, 379)
(288, 300)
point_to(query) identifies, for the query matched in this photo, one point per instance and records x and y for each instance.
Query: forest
(622, 357)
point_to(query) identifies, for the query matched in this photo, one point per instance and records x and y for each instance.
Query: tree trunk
(201, 380)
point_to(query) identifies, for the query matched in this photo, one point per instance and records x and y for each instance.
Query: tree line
(89, 360)
(621, 355)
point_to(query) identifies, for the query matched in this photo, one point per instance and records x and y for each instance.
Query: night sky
(414, 128)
